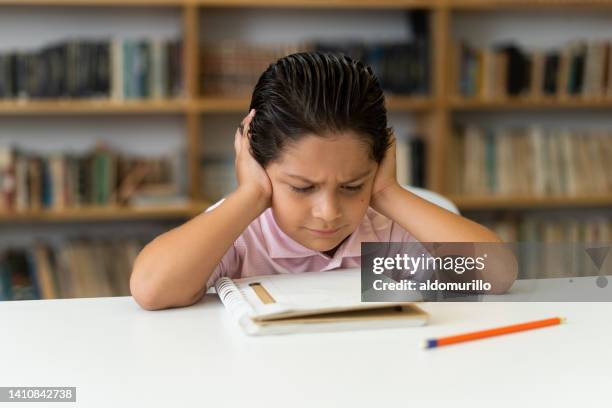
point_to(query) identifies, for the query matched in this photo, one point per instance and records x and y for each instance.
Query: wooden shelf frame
(92, 107)
(527, 103)
(107, 213)
(471, 203)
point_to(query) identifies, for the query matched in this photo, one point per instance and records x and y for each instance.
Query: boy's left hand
(386, 175)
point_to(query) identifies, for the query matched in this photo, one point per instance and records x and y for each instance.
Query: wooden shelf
(350, 4)
(345, 4)
(467, 203)
(408, 103)
(460, 104)
(127, 3)
(342, 4)
(104, 213)
(90, 106)
(525, 4)
(211, 104)
(216, 104)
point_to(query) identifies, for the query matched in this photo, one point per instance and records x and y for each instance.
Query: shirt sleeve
(230, 264)
(399, 234)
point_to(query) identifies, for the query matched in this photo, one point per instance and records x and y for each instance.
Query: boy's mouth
(324, 232)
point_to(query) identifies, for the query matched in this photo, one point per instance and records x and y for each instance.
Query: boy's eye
(353, 188)
(302, 189)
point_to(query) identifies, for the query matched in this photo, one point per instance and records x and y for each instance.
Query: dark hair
(317, 93)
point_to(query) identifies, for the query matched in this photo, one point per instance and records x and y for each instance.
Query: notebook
(310, 302)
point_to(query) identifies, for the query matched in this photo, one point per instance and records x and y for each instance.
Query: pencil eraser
(429, 343)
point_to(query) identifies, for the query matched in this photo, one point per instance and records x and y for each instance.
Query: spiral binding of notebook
(233, 299)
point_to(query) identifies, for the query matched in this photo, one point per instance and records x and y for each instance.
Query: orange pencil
(498, 331)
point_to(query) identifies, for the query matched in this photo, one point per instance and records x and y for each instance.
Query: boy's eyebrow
(312, 182)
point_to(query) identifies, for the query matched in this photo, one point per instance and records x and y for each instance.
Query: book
(117, 69)
(72, 269)
(310, 302)
(532, 161)
(402, 67)
(577, 69)
(100, 177)
(538, 257)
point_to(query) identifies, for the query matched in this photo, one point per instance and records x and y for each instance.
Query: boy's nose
(327, 210)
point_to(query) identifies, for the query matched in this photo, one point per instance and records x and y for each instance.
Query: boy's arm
(428, 222)
(173, 269)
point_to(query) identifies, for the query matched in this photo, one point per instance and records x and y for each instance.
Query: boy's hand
(386, 175)
(249, 172)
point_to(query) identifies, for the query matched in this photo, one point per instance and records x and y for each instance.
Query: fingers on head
(237, 140)
(247, 121)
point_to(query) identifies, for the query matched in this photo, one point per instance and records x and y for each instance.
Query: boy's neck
(332, 251)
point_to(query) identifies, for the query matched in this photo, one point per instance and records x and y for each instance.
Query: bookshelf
(435, 112)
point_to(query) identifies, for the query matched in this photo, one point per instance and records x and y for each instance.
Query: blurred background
(117, 117)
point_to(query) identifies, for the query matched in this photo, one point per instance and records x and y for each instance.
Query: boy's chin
(321, 246)
(324, 244)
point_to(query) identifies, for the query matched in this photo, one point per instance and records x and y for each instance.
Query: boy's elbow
(152, 294)
(142, 287)
(504, 284)
(143, 293)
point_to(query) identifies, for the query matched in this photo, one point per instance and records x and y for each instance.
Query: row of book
(531, 161)
(554, 247)
(118, 69)
(79, 268)
(553, 229)
(101, 177)
(217, 176)
(233, 68)
(410, 161)
(579, 69)
(402, 66)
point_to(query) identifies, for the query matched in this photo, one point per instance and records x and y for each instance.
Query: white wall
(291, 25)
(31, 27)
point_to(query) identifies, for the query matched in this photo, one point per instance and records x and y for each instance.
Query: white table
(117, 354)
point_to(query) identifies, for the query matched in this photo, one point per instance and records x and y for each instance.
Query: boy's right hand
(251, 176)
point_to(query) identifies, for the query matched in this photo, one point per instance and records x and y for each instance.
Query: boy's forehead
(337, 148)
(316, 158)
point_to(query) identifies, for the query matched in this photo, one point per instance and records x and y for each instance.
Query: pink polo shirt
(264, 249)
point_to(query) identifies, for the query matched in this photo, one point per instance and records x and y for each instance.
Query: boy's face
(321, 188)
